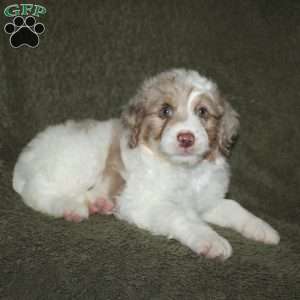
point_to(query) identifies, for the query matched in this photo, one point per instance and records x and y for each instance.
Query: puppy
(161, 166)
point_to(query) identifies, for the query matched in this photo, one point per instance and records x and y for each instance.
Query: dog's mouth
(179, 151)
(185, 151)
(189, 159)
(183, 155)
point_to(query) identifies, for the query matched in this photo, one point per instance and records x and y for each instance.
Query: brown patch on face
(132, 117)
(141, 116)
(209, 112)
(212, 129)
(221, 123)
(158, 137)
(154, 123)
(113, 167)
(228, 129)
(152, 129)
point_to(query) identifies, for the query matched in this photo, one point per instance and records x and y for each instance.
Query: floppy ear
(228, 128)
(132, 118)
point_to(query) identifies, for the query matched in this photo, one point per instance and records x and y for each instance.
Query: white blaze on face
(169, 144)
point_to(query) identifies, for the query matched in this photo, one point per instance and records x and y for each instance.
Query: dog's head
(181, 116)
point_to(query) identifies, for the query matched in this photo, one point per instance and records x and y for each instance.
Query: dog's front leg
(193, 233)
(232, 215)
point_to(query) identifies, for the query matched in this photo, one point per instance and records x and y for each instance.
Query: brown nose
(186, 139)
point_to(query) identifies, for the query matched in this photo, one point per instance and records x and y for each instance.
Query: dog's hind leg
(44, 196)
(101, 197)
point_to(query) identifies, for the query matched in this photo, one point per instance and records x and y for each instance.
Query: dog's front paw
(258, 230)
(214, 246)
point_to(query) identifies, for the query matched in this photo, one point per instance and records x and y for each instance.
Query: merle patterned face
(178, 120)
(182, 126)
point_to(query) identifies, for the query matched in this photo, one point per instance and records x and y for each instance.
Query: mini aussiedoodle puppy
(162, 166)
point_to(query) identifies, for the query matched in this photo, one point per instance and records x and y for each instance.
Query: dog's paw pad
(215, 247)
(73, 217)
(101, 206)
(258, 230)
(24, 31)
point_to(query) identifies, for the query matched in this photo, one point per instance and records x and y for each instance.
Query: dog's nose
(186, 139)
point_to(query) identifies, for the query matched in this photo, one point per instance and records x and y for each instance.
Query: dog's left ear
(228, 128)
(132, 118)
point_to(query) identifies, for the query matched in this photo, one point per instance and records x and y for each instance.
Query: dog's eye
(166, 111)
(202, 112)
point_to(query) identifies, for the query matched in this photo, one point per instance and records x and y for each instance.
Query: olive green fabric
(90, 60)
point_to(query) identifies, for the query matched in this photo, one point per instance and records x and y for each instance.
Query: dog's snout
(186, 139)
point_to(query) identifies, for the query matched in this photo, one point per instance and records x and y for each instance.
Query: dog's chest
(197, 188)
(152, 183)
(164, 182)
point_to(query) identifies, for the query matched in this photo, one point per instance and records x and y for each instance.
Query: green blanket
(90, 60)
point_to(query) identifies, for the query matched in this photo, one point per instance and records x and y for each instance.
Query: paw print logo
(24, 32)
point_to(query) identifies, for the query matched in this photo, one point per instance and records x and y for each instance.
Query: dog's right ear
(132, 118)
